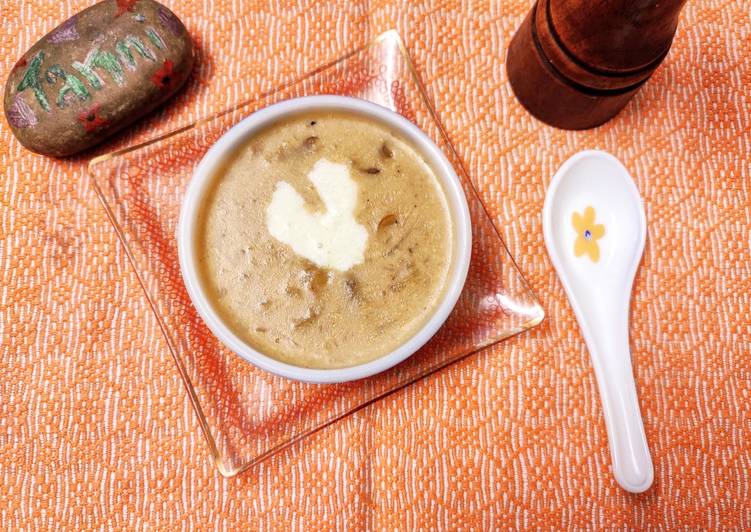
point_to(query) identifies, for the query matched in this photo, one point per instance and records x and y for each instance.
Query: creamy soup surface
(361, 245)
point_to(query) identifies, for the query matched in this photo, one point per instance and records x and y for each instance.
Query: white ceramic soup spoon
(595, 228)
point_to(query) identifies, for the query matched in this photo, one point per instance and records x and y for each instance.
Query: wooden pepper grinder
(575, 63)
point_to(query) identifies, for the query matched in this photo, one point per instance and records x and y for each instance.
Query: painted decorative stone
(95, 73)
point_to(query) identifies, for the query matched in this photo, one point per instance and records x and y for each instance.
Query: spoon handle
(611, 358)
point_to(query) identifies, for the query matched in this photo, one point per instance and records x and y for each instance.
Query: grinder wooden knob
(575, 64)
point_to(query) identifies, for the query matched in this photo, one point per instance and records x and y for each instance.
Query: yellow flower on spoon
(587, 234)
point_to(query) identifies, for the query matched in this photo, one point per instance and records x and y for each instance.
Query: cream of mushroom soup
(324, 241)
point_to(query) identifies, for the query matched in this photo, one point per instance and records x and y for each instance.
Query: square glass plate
(247, 414)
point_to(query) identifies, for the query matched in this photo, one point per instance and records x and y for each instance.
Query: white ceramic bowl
(205, 171)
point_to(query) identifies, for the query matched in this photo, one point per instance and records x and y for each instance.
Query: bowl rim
(214, 157)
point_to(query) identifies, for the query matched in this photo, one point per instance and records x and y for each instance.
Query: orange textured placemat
(96, 429)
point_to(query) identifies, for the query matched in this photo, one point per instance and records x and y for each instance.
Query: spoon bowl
(595, 230)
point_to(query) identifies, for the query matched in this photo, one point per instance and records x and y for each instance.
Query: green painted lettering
(124, 51)
(31, 80)
(155, 38)
(97, 58)
(73, 87)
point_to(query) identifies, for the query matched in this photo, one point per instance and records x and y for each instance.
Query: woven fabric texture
(96, 430)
